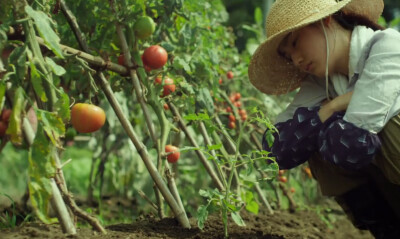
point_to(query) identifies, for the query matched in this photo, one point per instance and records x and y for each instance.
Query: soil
(282, 224)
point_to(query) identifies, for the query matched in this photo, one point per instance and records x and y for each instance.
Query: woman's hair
(349, 21)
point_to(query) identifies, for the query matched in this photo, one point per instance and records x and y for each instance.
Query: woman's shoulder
(388, 39)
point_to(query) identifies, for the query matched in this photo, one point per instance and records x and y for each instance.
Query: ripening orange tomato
(87, 118)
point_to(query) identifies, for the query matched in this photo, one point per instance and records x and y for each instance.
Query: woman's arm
(341, 142)
(296, 138)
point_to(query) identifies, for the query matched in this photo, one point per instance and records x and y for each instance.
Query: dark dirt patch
(283, 224)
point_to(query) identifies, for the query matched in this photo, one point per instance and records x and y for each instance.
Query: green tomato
(144, 27)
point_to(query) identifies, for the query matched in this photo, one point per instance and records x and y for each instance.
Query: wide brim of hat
(271, 73)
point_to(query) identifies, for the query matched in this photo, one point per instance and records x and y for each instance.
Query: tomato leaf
(2, 94)
(14, 126)
(18, 55)
(195, 117)
(202, 214)
(58, 70)
(36, 80)
(62, 106)
(205, 100)
(43, 25)
(237, 219)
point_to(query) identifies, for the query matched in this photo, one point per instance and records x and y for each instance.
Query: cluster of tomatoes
(235, 100)
(4, 118)
(282, 178)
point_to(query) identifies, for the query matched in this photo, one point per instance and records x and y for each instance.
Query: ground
(282, 224)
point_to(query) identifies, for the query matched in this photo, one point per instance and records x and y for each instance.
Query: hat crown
(286, 14)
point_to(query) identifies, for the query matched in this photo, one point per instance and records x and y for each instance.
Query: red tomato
(229, 109)
(3, 128)
(238, 104)
(220, 81)
(169, 85)
(87, 118)
(146, 67)
(232, 118)
(292, 190)
(172, 158)
(155, 57)
(166, 106)
(243, 117)
(121, 60)
(242, 112)
(232, 125)
(283, 179)
(237, 96)
(229, 75)
(5, 115)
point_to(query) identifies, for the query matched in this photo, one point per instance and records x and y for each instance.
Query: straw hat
(268, 71)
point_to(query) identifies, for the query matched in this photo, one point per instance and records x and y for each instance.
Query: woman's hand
(339, 103)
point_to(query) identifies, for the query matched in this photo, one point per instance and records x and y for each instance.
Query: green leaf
(270, 138)
(3, 88)
(252, 207)
(36, 80)
(62, 106)
(205, 100)
(214, 146)
(194, 117)
(237, 219)
(180, 63)
(58, 70)
(202, 214)
(258, 16)
(14, 126)
(18, 56)
(43, 25)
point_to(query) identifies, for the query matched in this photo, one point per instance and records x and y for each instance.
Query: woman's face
(306, 49)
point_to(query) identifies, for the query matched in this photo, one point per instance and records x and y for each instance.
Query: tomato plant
(87, 118)
(174, 153)
(155, 57)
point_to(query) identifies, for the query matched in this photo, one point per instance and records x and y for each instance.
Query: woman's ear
(327, 20)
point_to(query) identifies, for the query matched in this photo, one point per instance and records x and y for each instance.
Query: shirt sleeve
(378, 86)
(346, 145)
(296, 138)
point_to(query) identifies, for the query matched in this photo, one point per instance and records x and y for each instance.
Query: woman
(345, 118)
